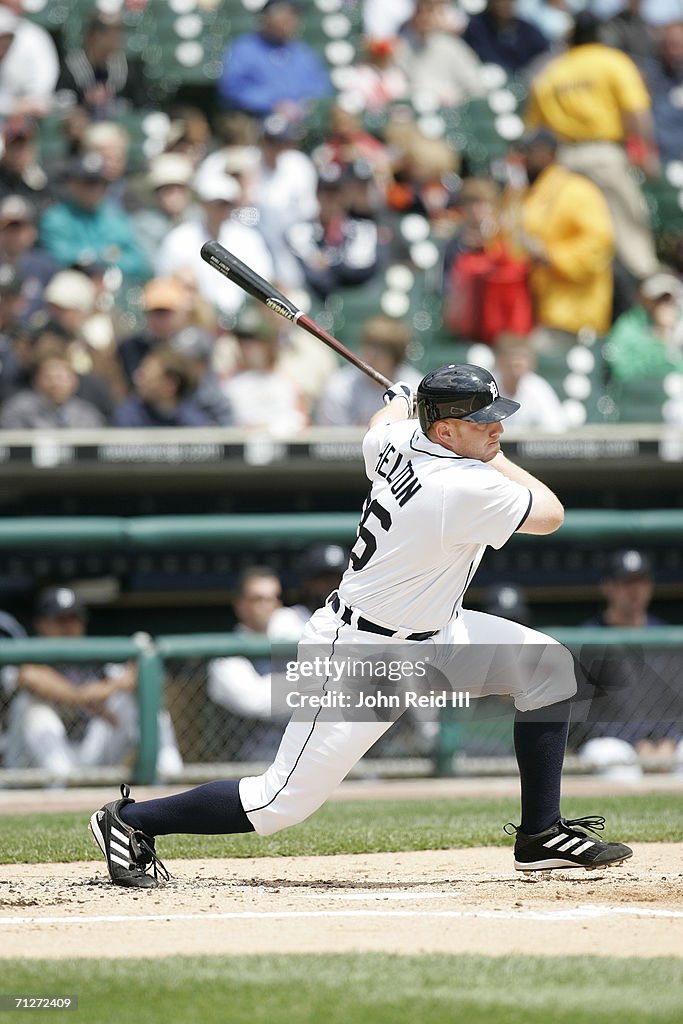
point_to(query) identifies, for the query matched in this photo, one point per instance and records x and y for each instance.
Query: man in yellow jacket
(568, 235)
(594, 99)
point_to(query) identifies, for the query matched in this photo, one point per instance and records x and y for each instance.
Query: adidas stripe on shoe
(129, 853)
(566, 845)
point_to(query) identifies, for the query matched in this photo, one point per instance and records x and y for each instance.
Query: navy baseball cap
(507, 601)
(53, 602)
(538, 137)
(321, 559)
(629, 564)
(89, 167)
(461, 391)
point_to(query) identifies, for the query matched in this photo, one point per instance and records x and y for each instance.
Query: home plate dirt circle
(436, 901)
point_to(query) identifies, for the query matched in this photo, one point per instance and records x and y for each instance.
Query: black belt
(371, 627)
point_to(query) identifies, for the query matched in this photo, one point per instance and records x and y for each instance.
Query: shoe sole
(562, 865)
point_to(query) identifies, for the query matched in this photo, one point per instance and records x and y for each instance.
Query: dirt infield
(435, 901)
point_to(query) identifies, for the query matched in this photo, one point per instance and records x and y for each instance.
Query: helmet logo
(494, 390)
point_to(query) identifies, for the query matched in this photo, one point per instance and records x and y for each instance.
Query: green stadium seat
(638, 401)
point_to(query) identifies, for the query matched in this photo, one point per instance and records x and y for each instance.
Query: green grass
(360, 989)
(354, 827)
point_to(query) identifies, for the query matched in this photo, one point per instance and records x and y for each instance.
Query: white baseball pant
(479, 653)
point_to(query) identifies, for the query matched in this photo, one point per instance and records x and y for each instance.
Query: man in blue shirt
(264, 69)
(164, 387)
(87, 227)
(498, 36)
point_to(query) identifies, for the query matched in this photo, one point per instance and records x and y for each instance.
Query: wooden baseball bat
(218, 257)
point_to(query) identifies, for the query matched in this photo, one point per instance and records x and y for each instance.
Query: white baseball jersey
(424, 528)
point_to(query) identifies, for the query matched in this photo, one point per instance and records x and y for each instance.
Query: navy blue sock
(540, 741)
(209, 810)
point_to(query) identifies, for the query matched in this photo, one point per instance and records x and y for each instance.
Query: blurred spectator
(169, 180)
(282, 188)
(28, 64)
(218, 218)
(486, 288)
(351, 398)
(51, 402)
(647, 341)
(627, 589)
(237, 159)
(336, 249)
(189, 134)
(18, 248)
(66, 718)
(11, 331)
(321, 568)
(52, 338)
(271, 69)
(633, 694)
(567, 233)
(347, 141)
(498, 36)
(540, 408)
(70, 312)
(663, 73)
(165, 382)
(168, 307)
(111, 143)
(424, 172)
(553, 20)
(307, 363)
(20, 172)
(166, 303)
(507, 601)
(86, 227)
(262, 397)
(243, 685)
(600, 121)
(377, 80)
(627, 30)
(99, 76)
(435, 62)
(278, 179)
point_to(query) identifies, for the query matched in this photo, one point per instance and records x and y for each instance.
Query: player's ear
(443, 431)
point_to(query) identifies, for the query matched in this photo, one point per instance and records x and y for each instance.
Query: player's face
(261, 596)
(630, 597)
(471, 440)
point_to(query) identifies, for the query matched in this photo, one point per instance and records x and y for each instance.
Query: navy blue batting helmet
(461, 391)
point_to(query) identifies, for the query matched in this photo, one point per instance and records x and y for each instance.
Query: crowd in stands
(327, 177)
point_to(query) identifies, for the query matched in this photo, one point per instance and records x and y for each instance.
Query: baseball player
(441, 491)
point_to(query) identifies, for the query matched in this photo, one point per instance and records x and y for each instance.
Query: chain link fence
(627, 716)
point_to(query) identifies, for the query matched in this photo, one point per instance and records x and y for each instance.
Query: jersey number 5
(359, 559)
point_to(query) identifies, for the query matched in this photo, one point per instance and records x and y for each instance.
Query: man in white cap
(647, 340)
(167, 202)
(218, 218)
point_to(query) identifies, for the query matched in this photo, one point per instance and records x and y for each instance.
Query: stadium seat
(639, 400)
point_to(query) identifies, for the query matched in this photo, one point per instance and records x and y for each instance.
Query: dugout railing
(173, 671)
(290, 529)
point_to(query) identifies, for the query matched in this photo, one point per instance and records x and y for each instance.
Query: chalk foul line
(579, 913)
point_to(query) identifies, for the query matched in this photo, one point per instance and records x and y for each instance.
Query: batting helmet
(461, 391)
